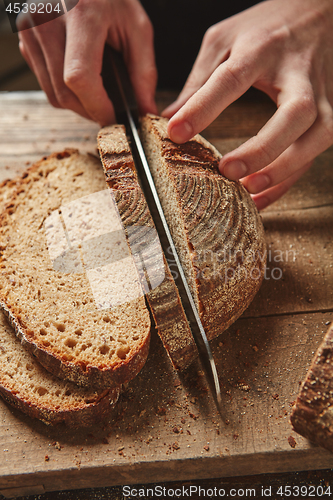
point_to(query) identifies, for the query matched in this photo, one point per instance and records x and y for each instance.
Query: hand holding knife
(118, 86)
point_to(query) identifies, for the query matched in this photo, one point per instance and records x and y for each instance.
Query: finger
(227, 83)
(213, 51)
(35, 58)
(83, 65)
(269, 196)
(296, 113)
(305, 149)
(140, 61)
(52, 39)
(25, 54)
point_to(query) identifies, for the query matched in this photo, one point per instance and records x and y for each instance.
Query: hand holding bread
(281, 48)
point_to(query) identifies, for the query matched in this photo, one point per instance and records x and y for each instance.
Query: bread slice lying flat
(214, 223)
(46, 285)
(164, 299)
(312, 415)
(26, 385)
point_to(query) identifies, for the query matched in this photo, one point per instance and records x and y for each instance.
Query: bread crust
(312, 414)
(108, 375)
(87, 376)
(83, 416)
(216, 214)
(164, 300)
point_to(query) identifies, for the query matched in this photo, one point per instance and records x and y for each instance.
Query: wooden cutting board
(165, 426)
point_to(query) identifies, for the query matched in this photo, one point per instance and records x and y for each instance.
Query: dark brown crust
(164, 300)
(312, 415)
(89, 376)
(82, 416)
(216, 213)
(92, 376)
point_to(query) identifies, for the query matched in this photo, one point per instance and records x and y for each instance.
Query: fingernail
(181, 132)
(258, 183)
(235, 170)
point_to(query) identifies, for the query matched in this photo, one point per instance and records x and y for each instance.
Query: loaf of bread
(215, 225)
(312, 414)
(163, 297)
(26, 385)
(61, 286)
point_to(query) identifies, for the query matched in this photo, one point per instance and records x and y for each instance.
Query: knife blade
(118, 86)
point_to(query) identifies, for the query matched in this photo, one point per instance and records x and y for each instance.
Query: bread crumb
(57, 445)
(292, 441)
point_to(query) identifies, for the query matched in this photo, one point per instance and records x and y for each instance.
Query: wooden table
(165, 427)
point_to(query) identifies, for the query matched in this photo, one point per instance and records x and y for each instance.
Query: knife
(118, 86)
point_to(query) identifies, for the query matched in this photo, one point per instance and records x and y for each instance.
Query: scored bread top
(54, 311)
(215, 225)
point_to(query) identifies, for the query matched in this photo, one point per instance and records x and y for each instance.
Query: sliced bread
(164, 301)
(312, 414)
(48, 279)
(215, 225)
(26, 385)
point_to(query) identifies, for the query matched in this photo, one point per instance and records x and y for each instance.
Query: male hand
(284, 48)
(66, 55)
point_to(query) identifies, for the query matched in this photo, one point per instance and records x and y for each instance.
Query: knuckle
(90, 13)
(236, 71)
(84, 5)
(211, 34)
(269, 39)
(263, 42)
(278, 36)
(75, 78)
(214, 38)
(144, 23)
(304, 107)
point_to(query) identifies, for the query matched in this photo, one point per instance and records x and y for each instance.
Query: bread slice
(26, 385)
(215, 225)
(50, 288)
(163, 299)
(312, 414)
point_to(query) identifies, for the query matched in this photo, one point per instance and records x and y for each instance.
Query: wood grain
(165, 427)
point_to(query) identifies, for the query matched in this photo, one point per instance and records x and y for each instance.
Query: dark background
(14, 72)
(179, 27)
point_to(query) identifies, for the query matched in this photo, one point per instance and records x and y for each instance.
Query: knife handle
(114, 71)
